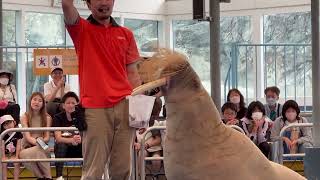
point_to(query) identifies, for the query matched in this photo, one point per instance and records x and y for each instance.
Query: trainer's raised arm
(70, 12)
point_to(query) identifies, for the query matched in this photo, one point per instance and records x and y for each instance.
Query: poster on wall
(78, 4)
(47, 59)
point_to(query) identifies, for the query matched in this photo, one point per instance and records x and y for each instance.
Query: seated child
(229, 113)
(11, 145)
(295, 139)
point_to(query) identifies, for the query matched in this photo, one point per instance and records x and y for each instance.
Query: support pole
(215, 51)
(315, 72)
(1, 35)
(312, 159)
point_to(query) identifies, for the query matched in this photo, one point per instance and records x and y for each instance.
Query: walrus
(198, 146)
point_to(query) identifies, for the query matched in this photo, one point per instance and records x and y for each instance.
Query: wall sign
(47, 59)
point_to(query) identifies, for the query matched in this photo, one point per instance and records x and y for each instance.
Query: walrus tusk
(149, 86)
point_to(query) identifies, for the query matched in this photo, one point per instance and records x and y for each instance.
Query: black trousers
(265, 148)
(62, 150)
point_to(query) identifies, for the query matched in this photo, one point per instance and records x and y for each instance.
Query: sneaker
(60, 178)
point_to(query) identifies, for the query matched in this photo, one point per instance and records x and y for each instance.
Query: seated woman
(295, 139)
(54, 90)
(8, 96)
(256, 126)
(33, 143)
(234, 96)
(68, 144)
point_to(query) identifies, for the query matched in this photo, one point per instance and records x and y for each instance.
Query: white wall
(142, 9)
(183, 8)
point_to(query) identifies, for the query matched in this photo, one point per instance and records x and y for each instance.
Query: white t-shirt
(50, 86)
(9, 94)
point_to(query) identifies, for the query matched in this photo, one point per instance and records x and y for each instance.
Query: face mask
(257, 115)
(235, 99)
(271, 101)
(4, 81)
(291, 116)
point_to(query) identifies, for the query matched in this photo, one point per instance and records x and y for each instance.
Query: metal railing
(280, 142)
(142, 157)
(36, 160)
(237, 128)
(257, 66)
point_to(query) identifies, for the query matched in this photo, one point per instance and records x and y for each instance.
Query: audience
(256, 126)
(297, 138)
(68, 144)
(54, 90)
(234, 96)
(8, 96)
(11, 146)
(273, 108)
(36, 116)
(256, 121)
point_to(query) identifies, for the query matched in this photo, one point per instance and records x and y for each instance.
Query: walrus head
(174, 75)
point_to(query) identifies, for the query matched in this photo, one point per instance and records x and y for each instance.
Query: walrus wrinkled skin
(198, 145)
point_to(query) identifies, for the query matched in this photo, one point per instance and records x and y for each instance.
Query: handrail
(288, 44)
(36, 130)
(142, 152)
(281, 155)
(237, 128)
(142, 155)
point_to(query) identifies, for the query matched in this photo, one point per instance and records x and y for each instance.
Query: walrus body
(198, 145)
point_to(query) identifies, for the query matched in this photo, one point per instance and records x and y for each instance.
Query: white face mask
(4, 81)
(257, 115)
(271, 101)
(235, 99)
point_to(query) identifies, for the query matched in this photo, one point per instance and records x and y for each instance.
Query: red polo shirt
(103, 53)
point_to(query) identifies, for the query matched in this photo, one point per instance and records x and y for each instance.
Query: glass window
(237, 30)
(9, 39)
(289, 66)
(9, 63)
(145, 33)
(192, 38)
(41, 30)
(287, 28)
(9, 28)
(117, 19)
(44, 29)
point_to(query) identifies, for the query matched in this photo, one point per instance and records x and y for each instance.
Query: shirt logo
(122, 38)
